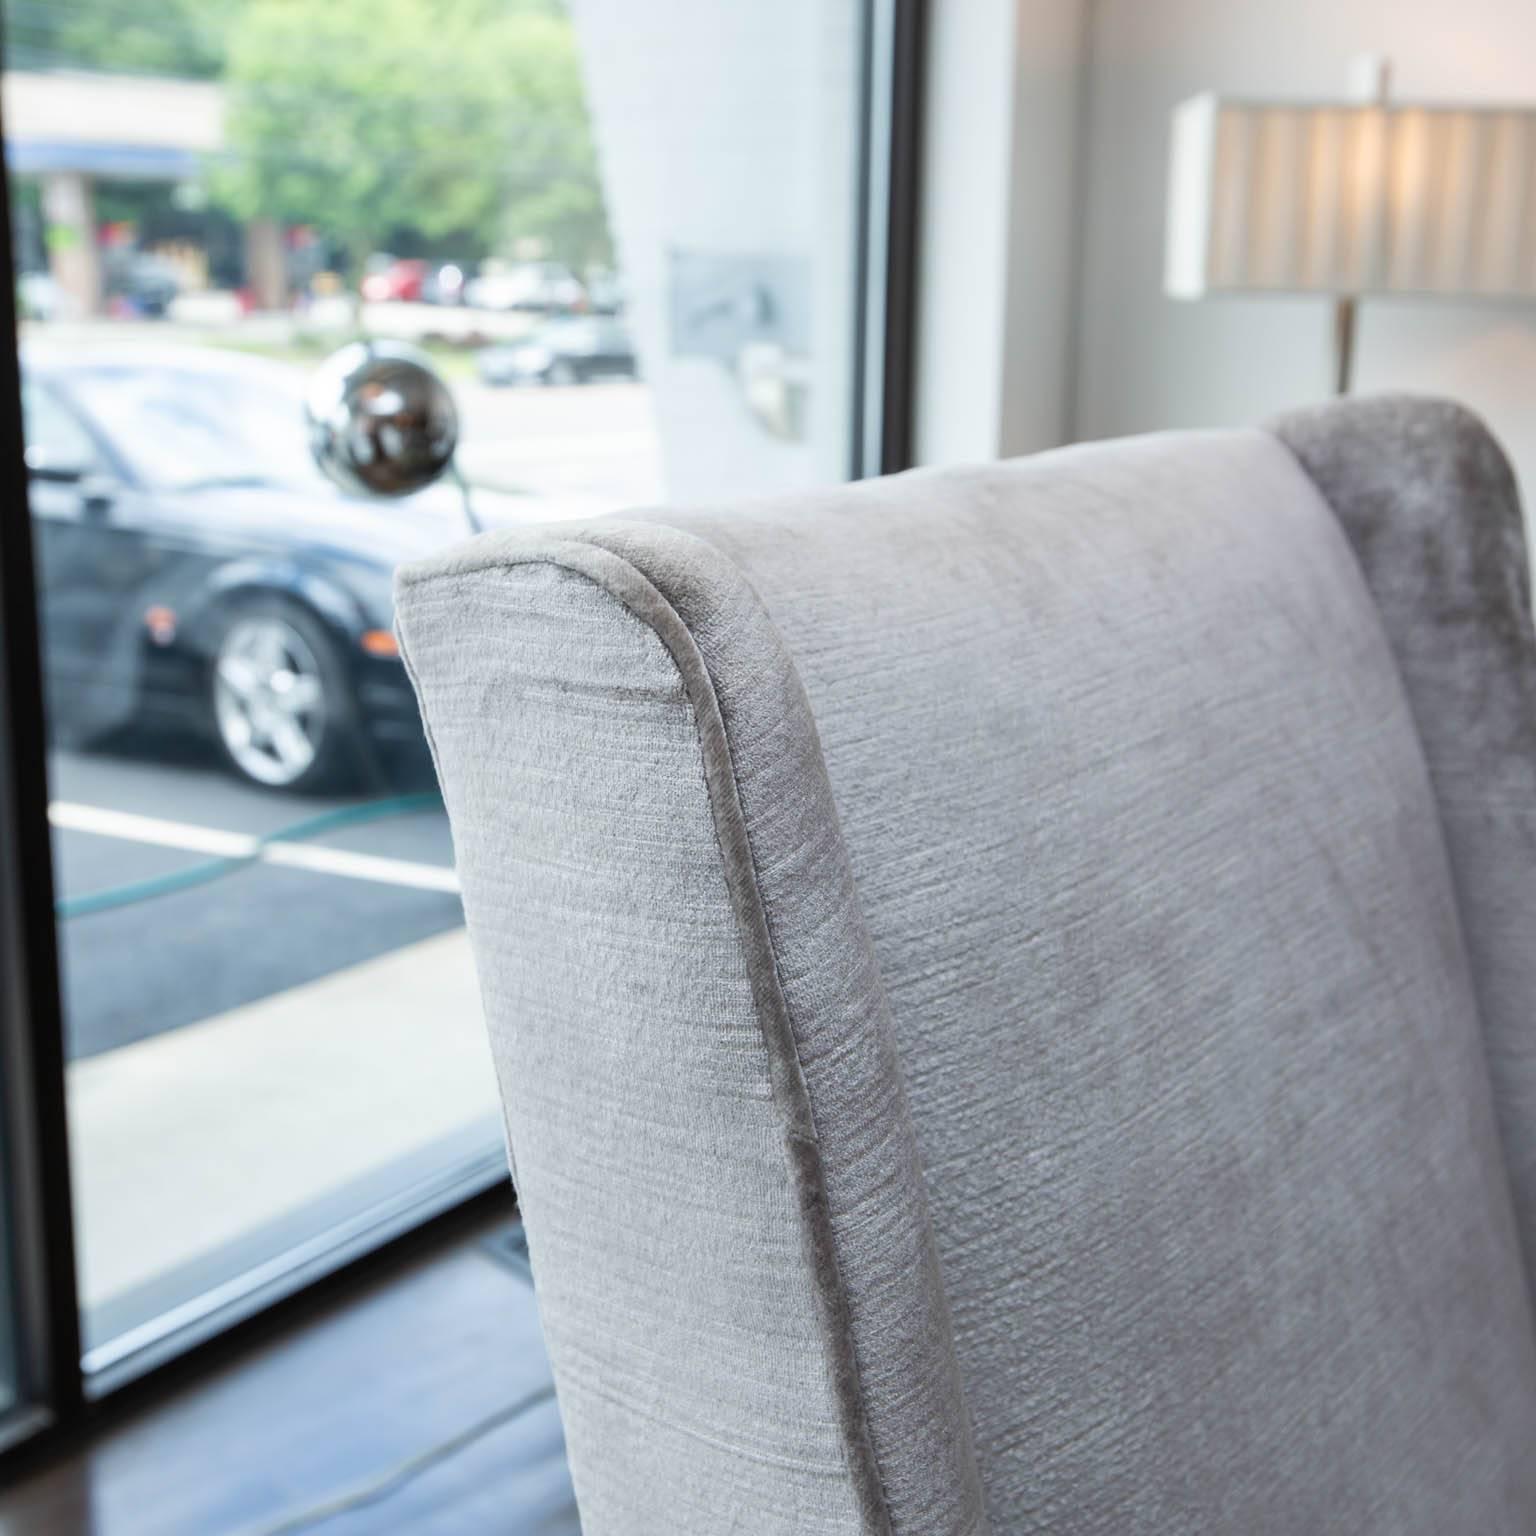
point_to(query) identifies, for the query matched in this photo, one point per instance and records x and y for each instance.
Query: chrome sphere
(381, 421)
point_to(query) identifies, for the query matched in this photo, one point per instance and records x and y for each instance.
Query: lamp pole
(1345, 315)
(1370, 81)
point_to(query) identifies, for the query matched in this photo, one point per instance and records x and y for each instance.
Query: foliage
(169, 37)
(460, 118)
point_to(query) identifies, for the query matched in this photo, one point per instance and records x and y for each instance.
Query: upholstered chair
(1014, 988)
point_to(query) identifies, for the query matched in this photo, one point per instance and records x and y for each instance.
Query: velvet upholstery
(981, 1007)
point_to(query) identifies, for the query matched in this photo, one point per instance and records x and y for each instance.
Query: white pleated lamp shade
(1351, 199)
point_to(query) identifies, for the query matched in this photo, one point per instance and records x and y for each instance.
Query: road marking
(361, 866)
(69, 816)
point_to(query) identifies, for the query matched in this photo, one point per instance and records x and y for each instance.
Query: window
(633, 241)
(185, 424)
(57, 445)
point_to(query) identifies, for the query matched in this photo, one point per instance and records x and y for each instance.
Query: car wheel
(282, 710)
(561, 374)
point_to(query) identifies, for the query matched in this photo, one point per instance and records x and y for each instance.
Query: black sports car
(196, 570)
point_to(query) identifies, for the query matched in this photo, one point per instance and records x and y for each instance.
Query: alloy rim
(269, 698)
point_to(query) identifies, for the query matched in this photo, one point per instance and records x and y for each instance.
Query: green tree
(171, 37)
(448, 117)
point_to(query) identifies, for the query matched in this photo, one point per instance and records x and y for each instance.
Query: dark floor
(387, 1371)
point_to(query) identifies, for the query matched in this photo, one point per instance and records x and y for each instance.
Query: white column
(69, 216)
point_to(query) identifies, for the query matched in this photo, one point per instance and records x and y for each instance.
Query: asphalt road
(172, 959)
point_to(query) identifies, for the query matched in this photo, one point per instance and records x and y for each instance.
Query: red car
(393, 279)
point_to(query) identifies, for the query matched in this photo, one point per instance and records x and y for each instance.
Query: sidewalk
(187, 1143)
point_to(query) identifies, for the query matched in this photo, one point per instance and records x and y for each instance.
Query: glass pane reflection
(625, 236)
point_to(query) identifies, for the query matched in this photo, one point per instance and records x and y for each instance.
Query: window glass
(183, 424)
(55, 439)
(625, 236)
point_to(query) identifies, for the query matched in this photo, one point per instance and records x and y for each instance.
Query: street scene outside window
(632, 268)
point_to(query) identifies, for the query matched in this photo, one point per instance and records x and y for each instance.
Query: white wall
(997, 245)
(1147, 361)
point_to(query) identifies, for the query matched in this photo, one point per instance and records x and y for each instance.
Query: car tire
(280, 701)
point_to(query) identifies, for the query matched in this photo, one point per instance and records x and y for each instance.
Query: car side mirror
(54, 467)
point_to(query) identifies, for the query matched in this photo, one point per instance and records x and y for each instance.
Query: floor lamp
(1352, 200)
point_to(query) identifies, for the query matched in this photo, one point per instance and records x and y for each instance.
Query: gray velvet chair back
(981, 998)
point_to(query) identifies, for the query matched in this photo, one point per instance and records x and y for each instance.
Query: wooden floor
(334, 1403)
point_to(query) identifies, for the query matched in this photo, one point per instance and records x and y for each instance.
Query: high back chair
(996, 978)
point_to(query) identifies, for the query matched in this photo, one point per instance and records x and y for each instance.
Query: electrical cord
(404, 1473)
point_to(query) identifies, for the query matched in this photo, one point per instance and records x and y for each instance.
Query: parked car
(146, 283)
(391, 279)
(196, 571)
(570, 351)
(444, 284)
(544, 287)
(605, 293)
